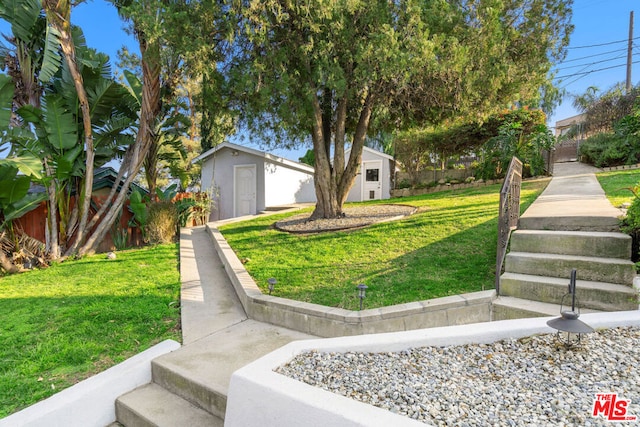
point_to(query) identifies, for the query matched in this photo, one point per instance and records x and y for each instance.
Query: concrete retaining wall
(90, 403)
(324, 321)
(260, 397)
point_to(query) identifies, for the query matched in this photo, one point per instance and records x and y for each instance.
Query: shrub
(162, 224)
(512, 140)
(605, 149)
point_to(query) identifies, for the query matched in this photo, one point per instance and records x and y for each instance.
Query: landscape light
(568, 321)
(362, 293)
(272, 283)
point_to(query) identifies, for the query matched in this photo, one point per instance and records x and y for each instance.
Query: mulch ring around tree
(354, 217)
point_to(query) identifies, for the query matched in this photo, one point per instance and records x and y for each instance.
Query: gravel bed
(530, 381)
(354, 217)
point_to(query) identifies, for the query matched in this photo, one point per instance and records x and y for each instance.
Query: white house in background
(248, 181)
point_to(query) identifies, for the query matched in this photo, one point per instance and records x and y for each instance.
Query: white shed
(374, 177)
(247, 181)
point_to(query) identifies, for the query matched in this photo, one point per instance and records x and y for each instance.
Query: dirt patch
(355, 217)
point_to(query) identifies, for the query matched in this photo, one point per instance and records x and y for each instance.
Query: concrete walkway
(572, 199)
(219, 338)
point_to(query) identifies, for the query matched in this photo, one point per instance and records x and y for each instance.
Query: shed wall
(218, 171)
(284, 185)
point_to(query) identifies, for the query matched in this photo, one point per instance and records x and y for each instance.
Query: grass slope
(448, 247)
(617, 185)
(65, 323)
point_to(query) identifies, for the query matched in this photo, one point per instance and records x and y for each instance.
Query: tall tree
(603, 109)
(58, 14)
(334, 71)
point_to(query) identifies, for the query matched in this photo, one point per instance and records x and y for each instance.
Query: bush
(606, 149)
(631, 224)
(162, 223)
(512, 140)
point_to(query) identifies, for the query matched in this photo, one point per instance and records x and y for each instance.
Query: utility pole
(629, 52)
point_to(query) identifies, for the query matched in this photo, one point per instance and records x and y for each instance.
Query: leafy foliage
(335, 72)
(513, 141)
(418, 148)
(604, 109)
(622, 146)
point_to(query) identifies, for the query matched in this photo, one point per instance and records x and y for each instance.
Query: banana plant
(169, 128)
(16, 172)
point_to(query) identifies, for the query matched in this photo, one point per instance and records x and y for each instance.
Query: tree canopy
(334, 71)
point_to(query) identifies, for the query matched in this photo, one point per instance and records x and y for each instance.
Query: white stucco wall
(260, 397)
(355, 194)
(284, 185)
(220, 168)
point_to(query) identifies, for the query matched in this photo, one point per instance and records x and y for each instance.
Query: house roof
(269, 157)
(371, 150)
(103, 177)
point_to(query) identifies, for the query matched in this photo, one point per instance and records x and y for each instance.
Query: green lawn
(448, 247)
(65, 323)
(616, 185)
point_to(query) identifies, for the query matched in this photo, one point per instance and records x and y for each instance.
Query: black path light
(272, 283)
(568, 321)
(362, 293)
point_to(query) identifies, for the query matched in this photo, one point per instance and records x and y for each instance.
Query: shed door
(372, 180)
(244, 190)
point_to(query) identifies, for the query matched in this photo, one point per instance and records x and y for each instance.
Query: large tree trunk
(52, 236)
(324, 182)
(150, 108)
(151, 168)
(59, 16)
(333, 181)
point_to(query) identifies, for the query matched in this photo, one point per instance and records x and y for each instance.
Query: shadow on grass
(460, 263)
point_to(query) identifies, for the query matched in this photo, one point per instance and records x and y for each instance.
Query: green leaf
(13, 190)
(22, 15)
(134, 86)
(30, 114)
(6, 100)
(59, 124)
(28, 164)
(22, 206)
(52, 59)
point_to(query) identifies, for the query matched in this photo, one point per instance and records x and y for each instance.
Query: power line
(603, 44)
(593, 71)
(595, 62)
(624, 49)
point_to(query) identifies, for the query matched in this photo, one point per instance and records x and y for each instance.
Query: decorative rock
(531, 381)
(111, 255)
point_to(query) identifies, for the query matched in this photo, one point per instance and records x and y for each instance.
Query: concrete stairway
(190, 385)
(571, 225)
(538, 268)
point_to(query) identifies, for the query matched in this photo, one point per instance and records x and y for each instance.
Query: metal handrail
(509, 213)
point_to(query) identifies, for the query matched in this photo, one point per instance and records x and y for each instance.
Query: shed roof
(268, 157)
(371, 150)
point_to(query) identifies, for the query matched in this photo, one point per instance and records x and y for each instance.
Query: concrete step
(200, 372)
(570, 223)
(582, 243)
(594, 295)
(505, 308)
(611, 270)
(151, 406)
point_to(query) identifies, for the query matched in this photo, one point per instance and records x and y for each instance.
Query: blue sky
(598, 41)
